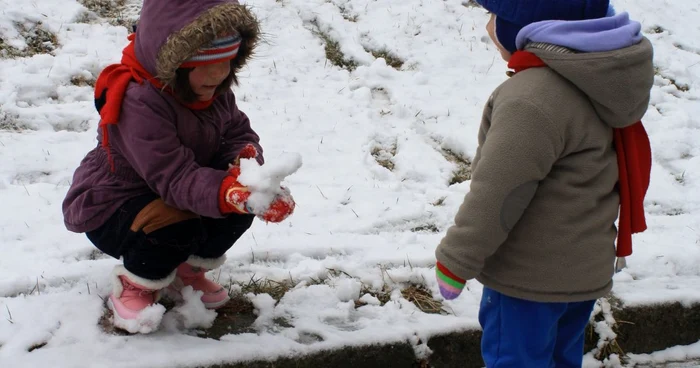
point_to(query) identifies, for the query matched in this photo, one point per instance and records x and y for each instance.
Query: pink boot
(191, 273)
(134, 301)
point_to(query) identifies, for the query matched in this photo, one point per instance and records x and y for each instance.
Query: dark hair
(183, 91)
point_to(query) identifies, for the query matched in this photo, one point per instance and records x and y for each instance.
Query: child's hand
(281, 207)
(450, 284)
(249, 151)
(237, 195)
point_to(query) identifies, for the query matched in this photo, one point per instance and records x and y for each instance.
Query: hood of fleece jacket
(170, 32)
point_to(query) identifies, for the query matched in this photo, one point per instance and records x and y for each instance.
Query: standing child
(561, 150)
(161, 191)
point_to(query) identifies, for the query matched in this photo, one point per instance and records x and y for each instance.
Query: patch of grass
(39, 40)
(30, 177)
(276, 289)
(439, 202)
(86, 17)
(463, 172)
(674, 212)
(350, 18)
(391, 59)
(422, 298)
(431, 228)
(111, 10)
(82, 81)
(679, 86)
(417, 294)
(104, 8)
(96, 254)
(604, 323)
(383, 295)
(385, 156)
(611, 347)
(333, 52)
(347, 15)
(656, 30)
(238, 315)
(36, 346)
(680, 178)
(10, 122)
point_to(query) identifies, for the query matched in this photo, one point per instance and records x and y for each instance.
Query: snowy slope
(380, 144)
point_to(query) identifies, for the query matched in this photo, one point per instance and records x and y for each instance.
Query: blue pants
(525, 334)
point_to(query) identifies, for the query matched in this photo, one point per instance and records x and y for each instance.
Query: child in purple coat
(160, 192)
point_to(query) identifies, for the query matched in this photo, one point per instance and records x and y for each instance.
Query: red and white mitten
(234, 196)
(280, 208)
(249, 151)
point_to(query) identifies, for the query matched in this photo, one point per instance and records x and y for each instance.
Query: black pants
(154, 238)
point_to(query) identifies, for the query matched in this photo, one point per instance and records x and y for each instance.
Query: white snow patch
(352, 214)
(189, 314)
(348, 289)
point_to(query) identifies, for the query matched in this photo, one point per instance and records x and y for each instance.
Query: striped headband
(221, 49)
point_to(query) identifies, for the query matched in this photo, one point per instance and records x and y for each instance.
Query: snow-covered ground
(380, 145)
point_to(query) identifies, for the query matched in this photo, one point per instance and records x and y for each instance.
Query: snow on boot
(192, 273)
(134, 301)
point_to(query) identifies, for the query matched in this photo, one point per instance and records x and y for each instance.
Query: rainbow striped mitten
(450, 285)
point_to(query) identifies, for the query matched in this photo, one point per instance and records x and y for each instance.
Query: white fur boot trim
(206, 263)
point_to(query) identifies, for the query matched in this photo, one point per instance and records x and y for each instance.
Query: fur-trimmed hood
(170, 32)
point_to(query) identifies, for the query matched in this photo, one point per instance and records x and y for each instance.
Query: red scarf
(111, 86)
(634, 166)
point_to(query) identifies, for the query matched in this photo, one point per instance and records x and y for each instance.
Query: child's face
(491, 29)
(205, 79)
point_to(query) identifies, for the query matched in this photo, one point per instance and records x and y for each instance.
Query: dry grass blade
(391, 59)
(39, 40)
(427, 228)
(463, 172)
(421, 297)
(276, 289)
(82, 81)
(384, 156)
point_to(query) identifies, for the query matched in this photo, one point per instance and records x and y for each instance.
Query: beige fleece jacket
(539, 220)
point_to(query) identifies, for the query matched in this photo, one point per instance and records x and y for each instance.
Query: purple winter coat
(159, 145)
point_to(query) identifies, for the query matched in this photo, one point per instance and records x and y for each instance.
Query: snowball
(348, 289)
(190, 314)
(264, 308)
(264, 182)
(370, 300)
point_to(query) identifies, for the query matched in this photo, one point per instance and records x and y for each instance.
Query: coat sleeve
(518, 151)
(146, 137)
(236, 134)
